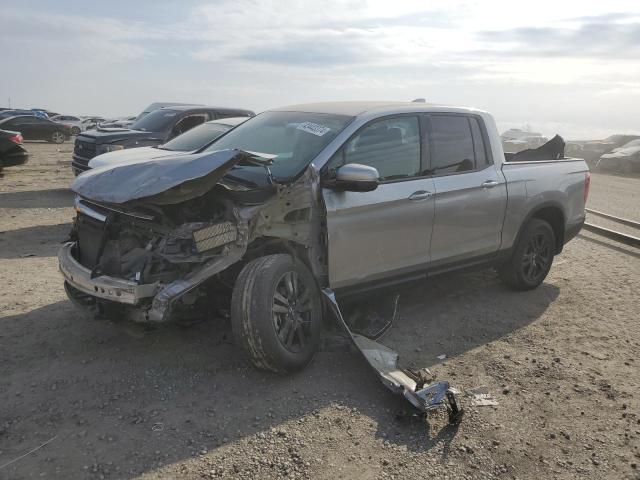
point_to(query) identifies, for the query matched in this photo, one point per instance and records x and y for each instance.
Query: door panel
(468, 215)
(470, 194)
(377, 234)
(385, 232)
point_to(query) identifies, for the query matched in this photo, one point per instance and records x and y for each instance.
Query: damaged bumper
(104, 287)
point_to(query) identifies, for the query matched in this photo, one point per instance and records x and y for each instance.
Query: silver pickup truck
(307, 200)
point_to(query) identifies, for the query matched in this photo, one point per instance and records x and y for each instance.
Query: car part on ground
(417, 387)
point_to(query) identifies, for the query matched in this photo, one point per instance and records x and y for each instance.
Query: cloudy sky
(574, 69)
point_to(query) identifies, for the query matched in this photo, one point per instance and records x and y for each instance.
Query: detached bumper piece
(410, 384)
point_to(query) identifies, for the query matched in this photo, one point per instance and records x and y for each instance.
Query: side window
(26, 120)
(188, 122)
(392, 146)
(451, 144)
(478, 144)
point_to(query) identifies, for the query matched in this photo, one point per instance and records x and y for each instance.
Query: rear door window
(451, 144)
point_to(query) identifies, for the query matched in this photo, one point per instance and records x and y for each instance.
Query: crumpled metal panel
(161, 181)
(384, 361)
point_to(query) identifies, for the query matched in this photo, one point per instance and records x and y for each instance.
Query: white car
(186, 143)
(74, 122)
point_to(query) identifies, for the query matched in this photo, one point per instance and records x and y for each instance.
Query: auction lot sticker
(313, 128)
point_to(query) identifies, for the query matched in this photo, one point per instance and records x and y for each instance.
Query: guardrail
(625, 238)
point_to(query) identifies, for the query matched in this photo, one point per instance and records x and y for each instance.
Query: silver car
(75, 123)
(302, 203)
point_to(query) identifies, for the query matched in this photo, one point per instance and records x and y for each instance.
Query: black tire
(280, 341)
(532, 257)
(75, 130)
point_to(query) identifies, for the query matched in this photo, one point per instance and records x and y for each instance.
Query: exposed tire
(57, 137)
(532, 258)
(75, 130)
(276, 313)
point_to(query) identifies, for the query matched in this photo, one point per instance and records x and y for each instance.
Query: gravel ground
(106, 402)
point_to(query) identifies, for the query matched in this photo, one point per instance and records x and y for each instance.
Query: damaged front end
(152, 240)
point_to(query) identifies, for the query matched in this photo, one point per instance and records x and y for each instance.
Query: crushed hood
(160, 181)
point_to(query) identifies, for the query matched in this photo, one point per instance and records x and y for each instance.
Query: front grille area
(90, 233)
(84, 149)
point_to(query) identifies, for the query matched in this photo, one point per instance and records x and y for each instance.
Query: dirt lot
(562, 361)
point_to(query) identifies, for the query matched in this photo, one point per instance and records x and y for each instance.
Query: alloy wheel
(536, 258)
(292, 312)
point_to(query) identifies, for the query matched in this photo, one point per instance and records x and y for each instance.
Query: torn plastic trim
(160, 181)
(384, 361)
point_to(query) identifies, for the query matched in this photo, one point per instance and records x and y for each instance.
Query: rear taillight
(16, 139)
(587, 184)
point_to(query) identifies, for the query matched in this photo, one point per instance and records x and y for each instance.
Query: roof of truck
(360, 107)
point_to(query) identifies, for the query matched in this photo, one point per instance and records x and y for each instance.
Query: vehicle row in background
(625, 159)
(37, 128)
(153, 129)
(188, 142)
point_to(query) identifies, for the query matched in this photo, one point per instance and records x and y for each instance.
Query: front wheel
(57, 137)
(532, 257)
(75, 130)
(276, 313)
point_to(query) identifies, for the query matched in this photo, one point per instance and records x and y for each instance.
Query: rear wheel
(276, 313)
(75, 130)
(532, 257)
(57, 137)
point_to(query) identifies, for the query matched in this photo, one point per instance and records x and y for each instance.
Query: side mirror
(355, 177)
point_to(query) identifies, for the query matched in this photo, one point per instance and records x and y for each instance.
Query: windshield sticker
(313, 128)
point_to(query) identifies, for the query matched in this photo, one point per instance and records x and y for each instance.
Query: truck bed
(543, 182)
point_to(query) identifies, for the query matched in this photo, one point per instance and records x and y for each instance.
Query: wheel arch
(553, 214)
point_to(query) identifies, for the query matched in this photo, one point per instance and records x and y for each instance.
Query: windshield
(295, 138)
(196, 138)
(156, 121)
(633, 143)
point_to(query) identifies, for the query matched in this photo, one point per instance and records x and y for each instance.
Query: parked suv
(155, 128)
(297, 203)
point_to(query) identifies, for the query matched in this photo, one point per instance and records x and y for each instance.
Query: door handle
(420, 195)
(489, 184)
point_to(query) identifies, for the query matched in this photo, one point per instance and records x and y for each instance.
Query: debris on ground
(480, 397)
(418, 387)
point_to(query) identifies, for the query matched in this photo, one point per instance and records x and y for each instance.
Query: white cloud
(559, 62)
